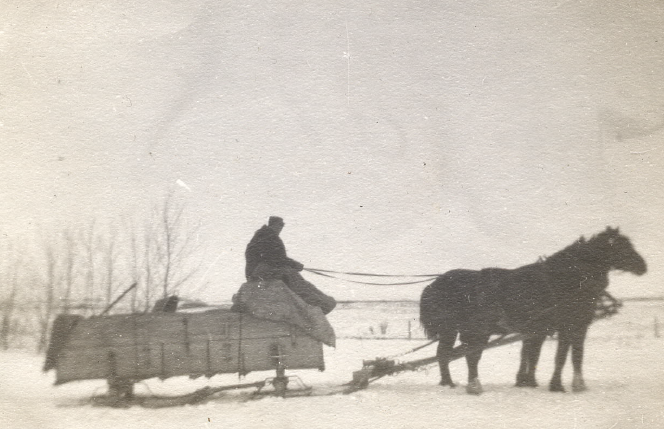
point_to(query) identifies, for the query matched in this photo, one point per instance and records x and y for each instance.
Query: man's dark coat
(267, 247)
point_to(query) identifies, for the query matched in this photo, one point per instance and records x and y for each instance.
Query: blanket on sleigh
(273, 300)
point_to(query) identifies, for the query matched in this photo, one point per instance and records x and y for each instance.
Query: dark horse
(556, 294)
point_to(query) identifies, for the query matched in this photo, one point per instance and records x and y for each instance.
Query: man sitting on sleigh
(266, 259)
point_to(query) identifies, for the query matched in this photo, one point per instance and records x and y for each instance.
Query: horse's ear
(582, 239)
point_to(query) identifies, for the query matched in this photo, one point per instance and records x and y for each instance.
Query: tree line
(83, 269)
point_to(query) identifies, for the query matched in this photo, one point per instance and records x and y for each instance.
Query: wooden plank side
(252, 327)
(81, 364)
(128, 362)
(117, 331)
(147, 360)
(261, 354)
(305, 353)
(166, 328)
(171, 344)
(88, 333)
(214, 357)
(106, 331)
(174, 359)
(216, 325)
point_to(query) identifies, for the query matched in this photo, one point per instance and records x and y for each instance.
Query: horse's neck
(582, 257)
(578, 275)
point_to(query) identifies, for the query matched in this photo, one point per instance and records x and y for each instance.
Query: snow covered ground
(624, 370)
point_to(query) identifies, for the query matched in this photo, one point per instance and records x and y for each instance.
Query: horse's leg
(523, 366)
(530, 353)
(445, 345)
(533, 359)
(578, 340)
(556, 384)
(476, 344)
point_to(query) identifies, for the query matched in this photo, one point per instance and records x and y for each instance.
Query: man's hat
(275, 220)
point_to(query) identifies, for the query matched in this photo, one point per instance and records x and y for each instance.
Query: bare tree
(45, 301)
(149, 261)
(158, 253)
(79, 268)
(88, 239)
(10, 273)
(171, 246)
(142, 264)
(68, 266)
(134, 264)
(113, 262)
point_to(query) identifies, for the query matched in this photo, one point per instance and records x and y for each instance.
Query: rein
(331, 274)
(371, 274)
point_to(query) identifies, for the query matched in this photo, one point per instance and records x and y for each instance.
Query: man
(266, 259)
(266, 248)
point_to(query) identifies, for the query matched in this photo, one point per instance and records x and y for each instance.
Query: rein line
(318, 270)
(327, 273)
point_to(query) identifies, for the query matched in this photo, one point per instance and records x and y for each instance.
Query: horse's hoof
(474, 387)
(525, 380)
(579, 387)
(447, 383)
(526, 383)
(556, 387)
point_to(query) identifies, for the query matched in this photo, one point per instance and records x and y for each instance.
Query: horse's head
(617, 250)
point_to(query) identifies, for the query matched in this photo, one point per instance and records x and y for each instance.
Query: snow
(624, 370)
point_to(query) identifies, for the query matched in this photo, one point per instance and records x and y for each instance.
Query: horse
(605, 252)
(554, 294)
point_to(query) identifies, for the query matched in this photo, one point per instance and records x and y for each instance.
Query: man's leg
(308, 292)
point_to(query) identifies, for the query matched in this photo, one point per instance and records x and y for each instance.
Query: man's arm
(274, 253)
(294, 264)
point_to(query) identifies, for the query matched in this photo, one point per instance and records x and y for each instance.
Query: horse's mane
(580, 249)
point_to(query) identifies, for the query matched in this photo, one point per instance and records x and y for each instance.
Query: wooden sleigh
(126, 348)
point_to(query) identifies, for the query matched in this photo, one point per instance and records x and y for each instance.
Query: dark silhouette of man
(266, 248)
(266, 259)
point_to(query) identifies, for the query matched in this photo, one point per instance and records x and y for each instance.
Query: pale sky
(409, 137)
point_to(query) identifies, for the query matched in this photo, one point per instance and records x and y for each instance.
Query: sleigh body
(132, 347)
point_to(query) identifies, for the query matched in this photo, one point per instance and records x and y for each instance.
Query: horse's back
(463, 300)
(448, 289)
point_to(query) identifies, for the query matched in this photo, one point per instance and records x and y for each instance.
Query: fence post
(656, 327)
(409, 331)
